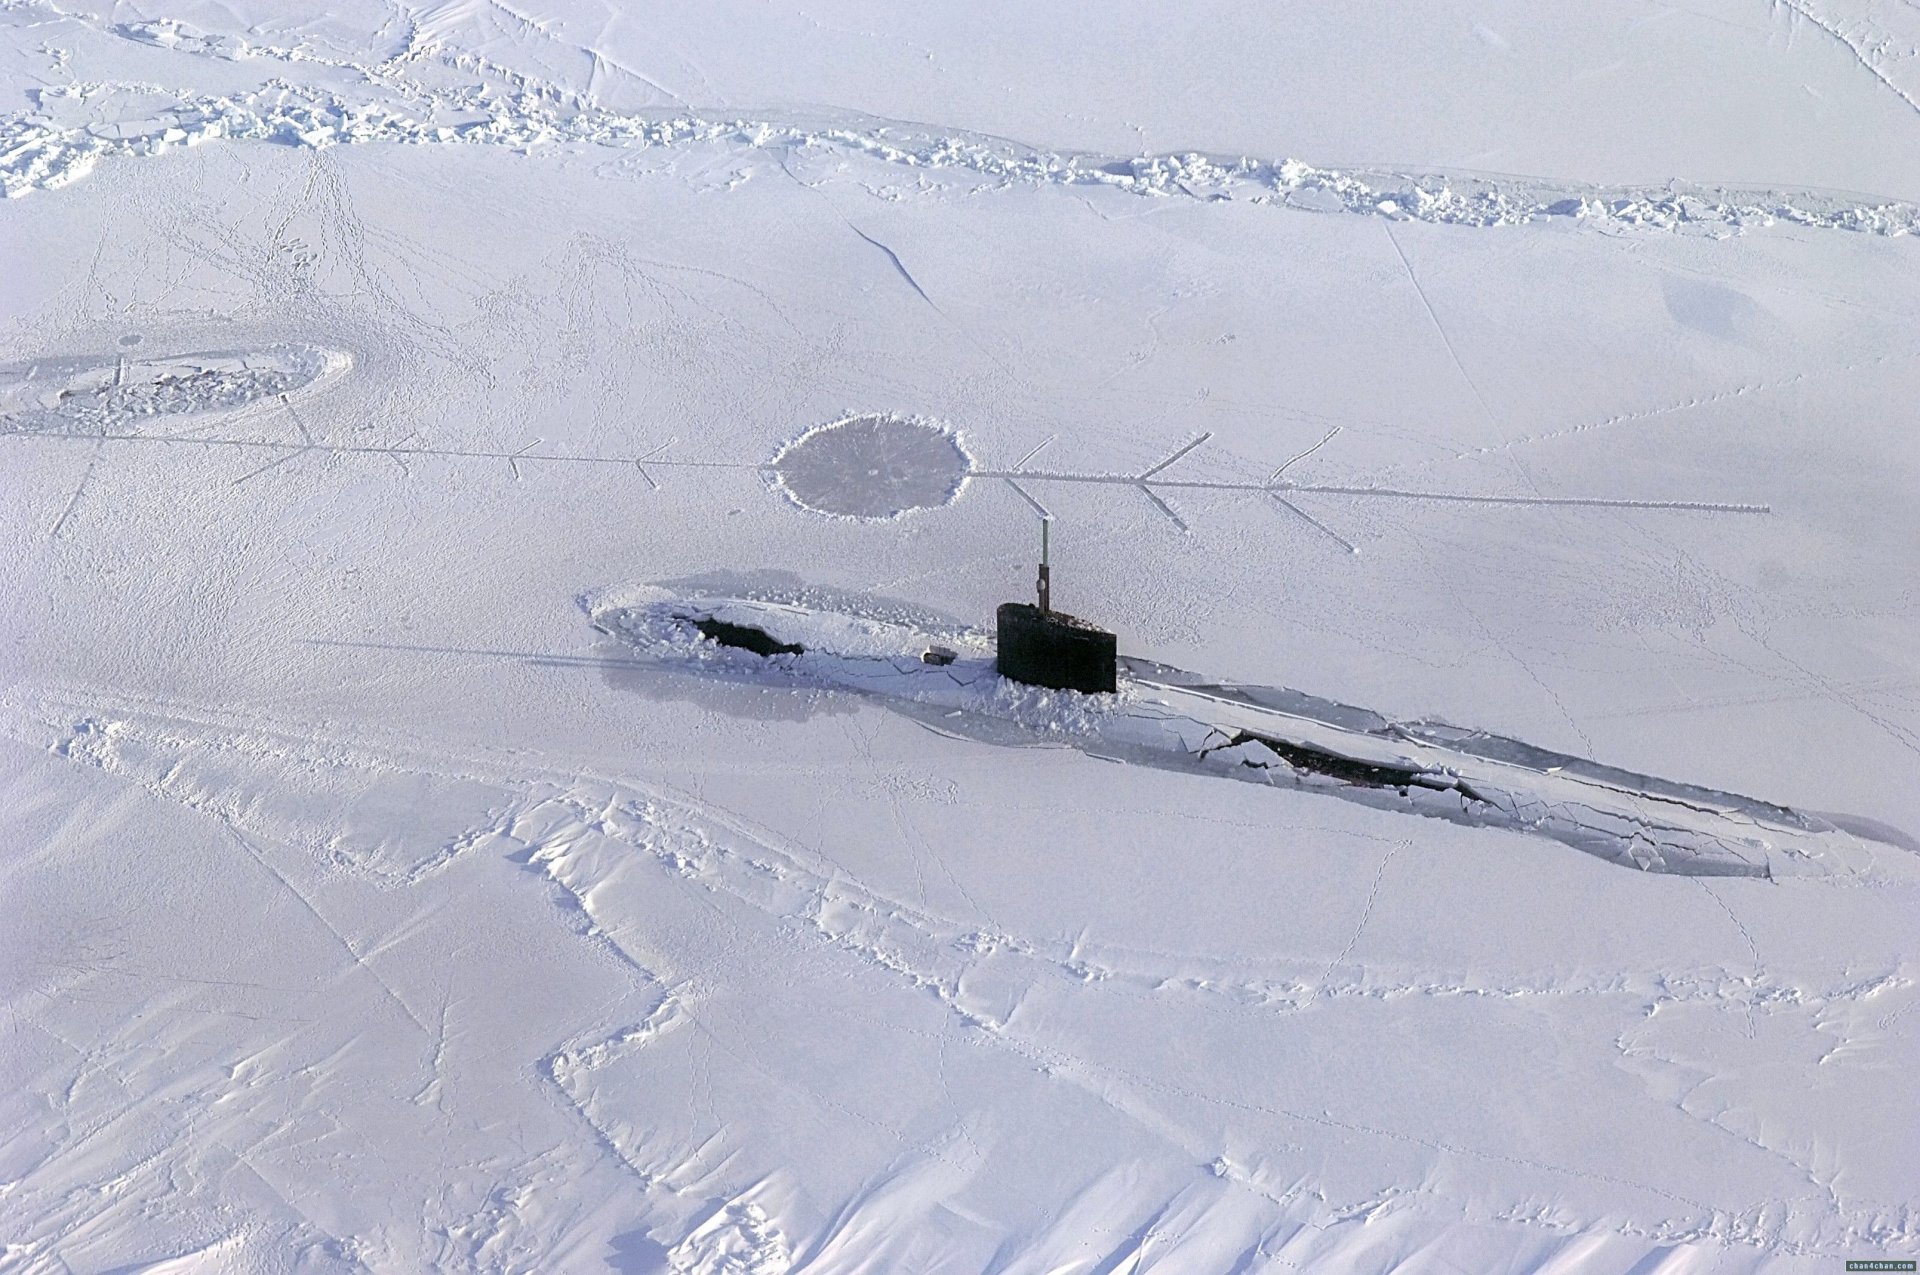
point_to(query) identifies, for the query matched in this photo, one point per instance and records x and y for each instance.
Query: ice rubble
(98, 396)
(40, 151)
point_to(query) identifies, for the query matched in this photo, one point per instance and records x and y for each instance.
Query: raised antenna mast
(1045, 580)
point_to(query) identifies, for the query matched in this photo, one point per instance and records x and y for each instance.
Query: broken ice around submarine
(1173, 719)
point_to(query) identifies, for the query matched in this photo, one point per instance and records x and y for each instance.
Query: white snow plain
(362, 908)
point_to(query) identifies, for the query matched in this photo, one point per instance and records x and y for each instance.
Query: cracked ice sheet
(1263, 928)
(217, 1040)
(778, 1019)
(610, 315)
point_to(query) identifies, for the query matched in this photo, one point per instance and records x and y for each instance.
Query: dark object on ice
(1052, 648)
(746, 637)
(1044, 647)
(938, 655)
(1044, 582)
(1361, 774)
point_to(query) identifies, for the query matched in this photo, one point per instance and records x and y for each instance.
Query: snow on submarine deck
(1169, 718)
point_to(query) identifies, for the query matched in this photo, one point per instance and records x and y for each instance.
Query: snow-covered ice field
(363, 907)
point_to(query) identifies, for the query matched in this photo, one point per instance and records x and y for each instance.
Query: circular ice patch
(873, 467)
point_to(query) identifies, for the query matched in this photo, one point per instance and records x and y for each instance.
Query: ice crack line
(38, 152)
(1155, 482)
(1863, 52)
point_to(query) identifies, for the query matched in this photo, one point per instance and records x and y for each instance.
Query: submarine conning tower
(1044, 647)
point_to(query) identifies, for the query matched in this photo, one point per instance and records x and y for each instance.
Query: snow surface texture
(360, 910)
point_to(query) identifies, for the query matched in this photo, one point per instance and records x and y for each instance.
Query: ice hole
(873, 466)
(746, 637)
